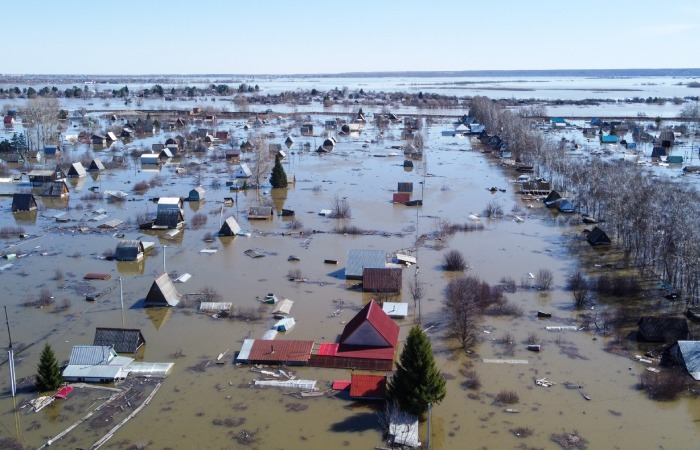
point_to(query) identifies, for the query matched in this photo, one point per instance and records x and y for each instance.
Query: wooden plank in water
(97, 276)
(505, 361)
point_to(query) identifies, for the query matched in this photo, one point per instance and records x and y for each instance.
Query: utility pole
(11, 357)
(164, 247)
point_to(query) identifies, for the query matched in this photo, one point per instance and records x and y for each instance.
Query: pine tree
(278, 178)
(417, 381)
(48, 375)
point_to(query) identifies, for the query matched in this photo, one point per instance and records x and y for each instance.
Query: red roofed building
(280, 352)
(368, 342)
(368, 387)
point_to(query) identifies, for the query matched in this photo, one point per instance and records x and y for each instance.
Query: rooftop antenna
(11, 357)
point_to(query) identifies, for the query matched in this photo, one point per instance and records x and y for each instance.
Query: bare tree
(462, 305)
(340, 208)
(41, 115)
(261, 161)
(581, 290)
(544, 279)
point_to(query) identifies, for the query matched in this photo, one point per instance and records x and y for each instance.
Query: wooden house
(98, 139)
(230, 227)
(381, 280)
(96, 165)
(96, 364)
(57, 188)
(685, 354)
(23, 202)
(597, 237)
(170, 213)
(260, 212)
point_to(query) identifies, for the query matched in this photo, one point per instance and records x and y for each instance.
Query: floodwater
(203, 405)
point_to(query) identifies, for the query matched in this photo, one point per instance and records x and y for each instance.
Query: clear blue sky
(310, 36)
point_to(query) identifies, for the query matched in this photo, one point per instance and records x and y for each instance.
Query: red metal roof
(368, 386)
(280, 350)
(327, 349)
(373, 315)
(401, 197)
(341, 385)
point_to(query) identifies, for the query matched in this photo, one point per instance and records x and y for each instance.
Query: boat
(63, 392)
(534, 347)
(543, 314)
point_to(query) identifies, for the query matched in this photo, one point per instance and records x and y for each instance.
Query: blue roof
(558, 120)
(609, 139)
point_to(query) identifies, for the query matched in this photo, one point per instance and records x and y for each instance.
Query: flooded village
(191, 304)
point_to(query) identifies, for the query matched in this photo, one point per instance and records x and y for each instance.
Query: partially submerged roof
(230, 227)
(162, 292)
(123, 340)
(370, 334)
(663, 329)
(383, 279)
(276, 351)
(91, 355)
(359, 259)
(598, 237)
(23, 202)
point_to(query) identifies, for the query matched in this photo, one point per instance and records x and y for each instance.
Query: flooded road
(205, 405)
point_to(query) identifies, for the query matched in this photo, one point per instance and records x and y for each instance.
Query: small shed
(367, 387)
(96, 165)
(401, 197)
(122, 340)
(283, 325)
(260, 212)
(395, 310)
(197, 194)
(23, 202)
(552, 199)
(663, 329)
(76, 170)
(230, 227)
(597, 237)
(54, 189)
(98, 139)
(129, 250)
(162, 292)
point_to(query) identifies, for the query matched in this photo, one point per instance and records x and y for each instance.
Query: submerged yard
(496, 396)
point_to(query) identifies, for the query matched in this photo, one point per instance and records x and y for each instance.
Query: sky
(317, 37)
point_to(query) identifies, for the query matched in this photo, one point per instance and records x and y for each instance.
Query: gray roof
(86, 355)
(691, 355)
(230, 227)
(77, 170)
(359, 259)
(123, 340)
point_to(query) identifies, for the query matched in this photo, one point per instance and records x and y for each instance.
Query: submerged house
(260, 212)
(597, 237)
(197, 194)
(170, 213)
(96, 165)
(685, 354)
(162, 292)
(96, 364)
(368, 342)
(122, 340)
(230, 227)
(23, 202)
(663, 329)
(243, 171)
(129, 250)
(552, 199)
(360, 259)
(76, 170)
(54, 189)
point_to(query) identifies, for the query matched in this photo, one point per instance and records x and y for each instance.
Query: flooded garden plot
(496, 397)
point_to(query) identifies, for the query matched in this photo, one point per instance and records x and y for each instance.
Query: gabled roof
(96, 165)
(385, 279)
(360, 259)
(123, 340)
(230, 227)
(371, 327)
(23, 202)
(77, 170)
(368, 386)
(84, 355)
(690, 351)
(598, 237)
(162, 292)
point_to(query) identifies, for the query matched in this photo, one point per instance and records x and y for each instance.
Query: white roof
(169, 201)
(395, 309)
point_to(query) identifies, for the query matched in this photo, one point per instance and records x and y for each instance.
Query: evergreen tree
(278, 178)
(417, 381)
(48, 375)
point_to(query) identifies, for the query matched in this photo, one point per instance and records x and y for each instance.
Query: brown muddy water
(207, 406)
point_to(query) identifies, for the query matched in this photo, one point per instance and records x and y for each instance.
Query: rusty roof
(381, 280)
(368, 386)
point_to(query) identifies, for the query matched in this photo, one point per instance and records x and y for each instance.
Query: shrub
(198, 221)
(664, 386)
(544, 279)
(493, 210)
(471, 380)
(453, 261)
(507, 397)
(141, 187)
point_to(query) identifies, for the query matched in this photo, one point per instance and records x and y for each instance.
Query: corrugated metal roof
(123, 340)
(91, 355)
(394, 309)
(359, 259)
(368, 386)
(162, 292)
(215, 306)
(691, 356)
(381, 280)
(280, 351)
